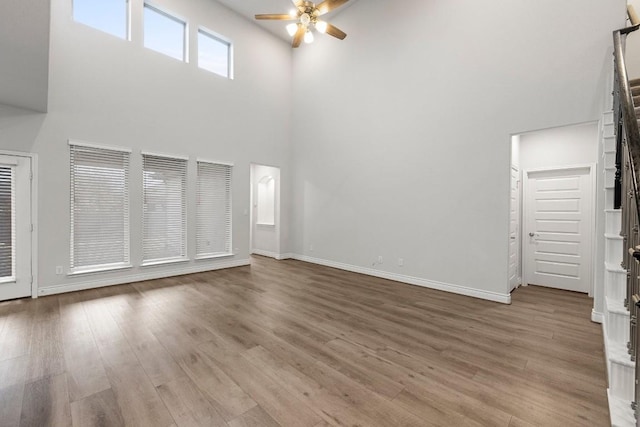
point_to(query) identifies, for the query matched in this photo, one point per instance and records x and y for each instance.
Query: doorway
(557, 206)
(15, 227)
(558, 228)
(265, 210)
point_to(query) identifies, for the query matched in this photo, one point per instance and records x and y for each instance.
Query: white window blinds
(7, 224)
(165, 208)
(99, 208)
(213, 214)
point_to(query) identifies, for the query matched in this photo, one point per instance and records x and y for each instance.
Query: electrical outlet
(379, 259)
(59, 270)
(400, 262)
(311, 248)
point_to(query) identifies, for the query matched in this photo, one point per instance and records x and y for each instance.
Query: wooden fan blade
(276, 17)
(336, 32)
(298, 3)
(297, 38)
(328, 5)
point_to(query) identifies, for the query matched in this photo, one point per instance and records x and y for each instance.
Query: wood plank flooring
(286, 343)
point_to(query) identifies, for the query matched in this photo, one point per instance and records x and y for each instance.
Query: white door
(15, 227)
(514, 230)
(557, 237)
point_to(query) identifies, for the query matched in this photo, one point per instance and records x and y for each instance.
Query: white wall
(113, 92)
(557, 147)
(24, 53)
(409, 149)
(265, 238)
(633, 47)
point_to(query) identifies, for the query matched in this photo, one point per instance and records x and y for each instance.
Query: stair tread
(634, 82)
(618, 353)
(615, 306)
(614, 267)
(621, 412)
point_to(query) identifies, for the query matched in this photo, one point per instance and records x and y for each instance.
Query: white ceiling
(249, 8)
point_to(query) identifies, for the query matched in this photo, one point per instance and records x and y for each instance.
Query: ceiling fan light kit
(306, 14)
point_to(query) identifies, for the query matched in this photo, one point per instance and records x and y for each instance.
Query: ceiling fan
(307, 16)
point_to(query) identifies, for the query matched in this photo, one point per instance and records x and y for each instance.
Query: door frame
(34, 214)
(519, 231)
(252, 212)
(591, 167)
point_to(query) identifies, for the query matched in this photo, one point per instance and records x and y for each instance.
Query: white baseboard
(98, 283)
(596, 317)
(456, 289)
(177, 271)
(262, 252)
(270, 254)
(607, 354)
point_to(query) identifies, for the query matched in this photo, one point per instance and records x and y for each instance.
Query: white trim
(34, 214)
(129, 20)
(519, 219)
(222, 39)
(596, 317)
(84, 144)
(6, 160)
(164, 155)
(613, 237)
(71, 287)
(594, 227)
(172, 16)
(269, 254)
(103, 269)
(456, 289)
(34, 222)
(152, 262)
(285, 256)
(589, 166)
(214, 162)
(213, 256)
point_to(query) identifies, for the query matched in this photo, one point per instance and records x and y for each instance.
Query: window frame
(206, 32)
(229, 232)
(12, 218)
(94, 268)
(127, 23)
(185, 211)
(173, 17)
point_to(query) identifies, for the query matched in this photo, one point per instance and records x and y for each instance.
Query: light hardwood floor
(285, 343)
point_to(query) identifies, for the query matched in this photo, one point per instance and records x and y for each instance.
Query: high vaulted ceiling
(249, 8)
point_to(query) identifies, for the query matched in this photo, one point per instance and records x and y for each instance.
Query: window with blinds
(165, 209)
(213, 210)
(7, 224)
(99, 208)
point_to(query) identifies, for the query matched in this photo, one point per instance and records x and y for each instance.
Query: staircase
(635, 91)
(616, 321)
